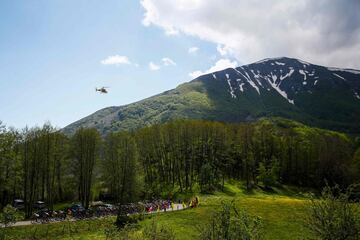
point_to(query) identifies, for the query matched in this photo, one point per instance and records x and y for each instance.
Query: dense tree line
(42, 163)
(85, 151)
(185, 154)
(122, 173)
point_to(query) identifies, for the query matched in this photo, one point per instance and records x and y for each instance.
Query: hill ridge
(320, 96)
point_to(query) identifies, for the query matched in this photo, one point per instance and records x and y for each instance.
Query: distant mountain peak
(287, 76)
(281, 61)
(286, 87)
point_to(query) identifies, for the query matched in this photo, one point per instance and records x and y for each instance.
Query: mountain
(283, 87)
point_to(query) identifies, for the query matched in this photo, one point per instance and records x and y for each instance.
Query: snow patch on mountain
(357, 95)
(241, 87)
(303, 73)
(303, 62)
(269, 59)
(247, 77)
(230, 87)
(271, 74)
(344, 70)
(254, 86)
(277, 88)
(288, 74)
(279, 63)
(339, 76)
(274, 77)
(257, 77)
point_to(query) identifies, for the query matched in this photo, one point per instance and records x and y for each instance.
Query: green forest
(41, 163)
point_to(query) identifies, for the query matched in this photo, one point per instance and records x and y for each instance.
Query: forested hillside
(282, 87)
(181, 156)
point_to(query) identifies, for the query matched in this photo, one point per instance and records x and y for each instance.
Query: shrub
(128, 232)
(151, 231)
(155, 232)
(123, 219)
(333, 216)
(230, 223)
(9, 215)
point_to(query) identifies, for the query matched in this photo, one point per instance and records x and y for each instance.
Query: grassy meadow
(282, 212)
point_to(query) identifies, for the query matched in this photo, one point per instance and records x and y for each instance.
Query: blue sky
(51, 53)
(54, 53)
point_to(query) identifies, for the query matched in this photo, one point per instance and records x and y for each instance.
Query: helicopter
(102, 90)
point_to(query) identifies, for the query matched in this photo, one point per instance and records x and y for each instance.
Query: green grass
(63, 230)
(282, 212)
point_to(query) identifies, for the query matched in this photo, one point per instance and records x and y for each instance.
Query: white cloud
(153, 66)
(325, 32)
(196, 74)
(165, 62)
(115, 60)
(153, 13)
(219, 65)
(223, 50)
(168, 62)
(193, 50)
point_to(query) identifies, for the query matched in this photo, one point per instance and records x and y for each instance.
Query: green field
(282, 213)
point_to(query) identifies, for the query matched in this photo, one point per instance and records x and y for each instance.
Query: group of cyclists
(78, 212)
(75, 212)
(145, 206)
(46, 216)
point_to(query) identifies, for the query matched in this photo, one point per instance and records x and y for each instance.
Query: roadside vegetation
(282, 213)
(242, 173)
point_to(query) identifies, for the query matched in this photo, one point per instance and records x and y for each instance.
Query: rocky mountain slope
(284, 87)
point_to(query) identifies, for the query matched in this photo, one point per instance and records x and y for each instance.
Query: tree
(85, 151)
(120, 167)
(10, 166)
(355, 165)
(31, 162)
(61, 166)
(268, 175)
(333, 217)
(206, 178)
(42, 155)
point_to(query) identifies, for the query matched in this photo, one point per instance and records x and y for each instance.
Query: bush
(333, 216)
(9, 215)
(151, 231)
(128, 232)
(155, 232)
(229, 223)
(124, 219)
